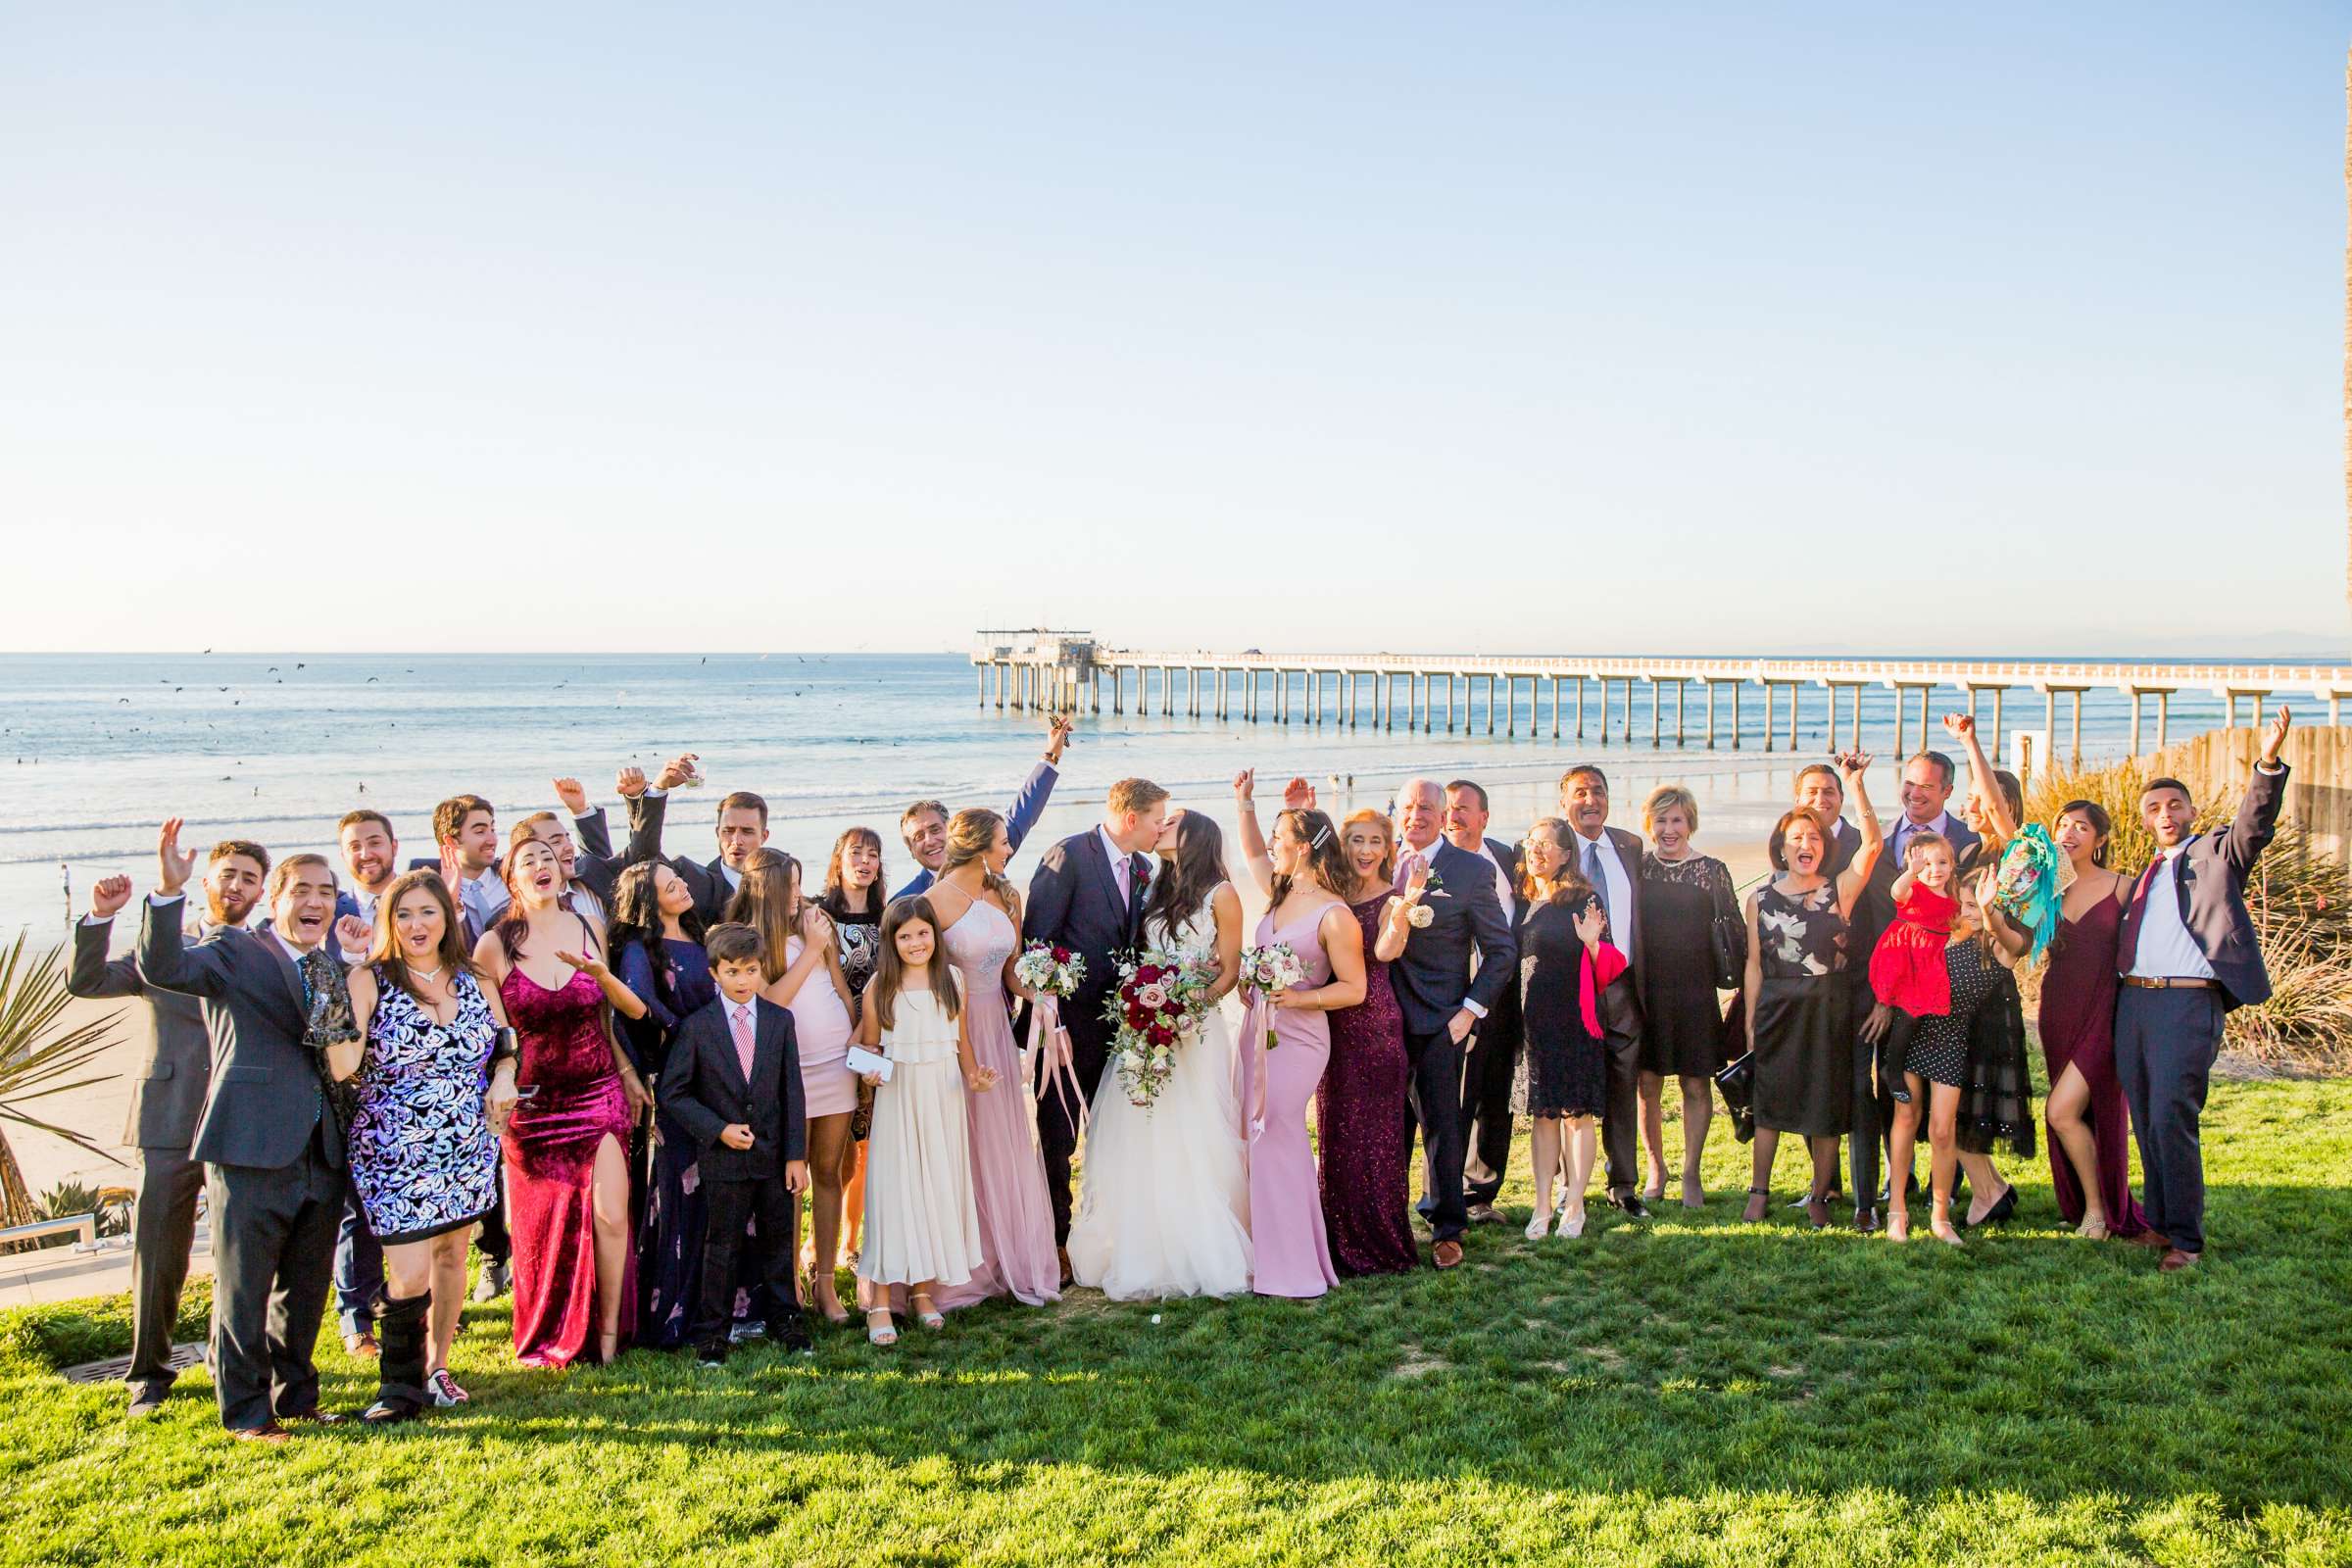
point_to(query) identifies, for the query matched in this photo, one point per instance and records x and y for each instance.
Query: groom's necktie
(1595, 875)
(1139, 876)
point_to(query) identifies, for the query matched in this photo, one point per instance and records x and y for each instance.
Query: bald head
(1420, 813)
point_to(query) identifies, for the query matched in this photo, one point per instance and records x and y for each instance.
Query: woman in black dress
(1564, 973)
(657, 939)
(1683, 895)
(853, 897)
(1799, 1026)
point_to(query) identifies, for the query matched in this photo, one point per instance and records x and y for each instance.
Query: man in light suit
(1450, 978)
(923, 827)
(165, 1099)
(1611, 859)
(268, 1135)
(2188, 955)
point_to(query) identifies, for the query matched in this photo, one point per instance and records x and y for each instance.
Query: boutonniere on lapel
(1422, 916)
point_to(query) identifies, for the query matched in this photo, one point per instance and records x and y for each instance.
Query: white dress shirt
(1118, 865)
(2167, 951)
(1940, 825)
(1617, 885)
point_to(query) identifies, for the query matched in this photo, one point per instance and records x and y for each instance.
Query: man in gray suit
(2188, 955)
(268, 1135)
(165, 1098)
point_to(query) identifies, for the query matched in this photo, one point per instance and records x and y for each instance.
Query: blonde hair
(1368, 817)
(1133, 795)
(971, 834)
(1663, 797)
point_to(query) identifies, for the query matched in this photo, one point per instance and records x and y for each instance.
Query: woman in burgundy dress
(567, 1177)
(2090, 1133)
(1361, 1103)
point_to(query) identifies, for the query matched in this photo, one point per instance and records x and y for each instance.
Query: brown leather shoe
(2176, 1261)
(1448, 1254)
(1063, 1256)
(2161, 1244)
(270, 1432)
(362, 1345)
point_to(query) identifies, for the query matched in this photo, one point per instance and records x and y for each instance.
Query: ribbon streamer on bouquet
(1250, 1066)
(1053, 1064)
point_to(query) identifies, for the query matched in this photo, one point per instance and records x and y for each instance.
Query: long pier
(1066, 670)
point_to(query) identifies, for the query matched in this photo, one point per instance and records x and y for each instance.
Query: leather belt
(2167, 984)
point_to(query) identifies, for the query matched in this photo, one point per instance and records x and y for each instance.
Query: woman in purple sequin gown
(1362, 1104)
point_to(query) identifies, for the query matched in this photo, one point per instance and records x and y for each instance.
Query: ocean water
(96, 750)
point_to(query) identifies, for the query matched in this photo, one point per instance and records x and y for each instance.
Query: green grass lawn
(1692, 1390)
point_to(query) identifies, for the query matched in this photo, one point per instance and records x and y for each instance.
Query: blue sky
(1546, 327)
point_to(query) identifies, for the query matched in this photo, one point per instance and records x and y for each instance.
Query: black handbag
(1737, 1080)
(1726, 939)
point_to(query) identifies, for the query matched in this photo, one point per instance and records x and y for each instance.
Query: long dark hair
(2100, 823)
(637, 922)
(1327, 862)
(890, 970)
(386, 955)
(834, 900)
(514, 922)
(1196, 867)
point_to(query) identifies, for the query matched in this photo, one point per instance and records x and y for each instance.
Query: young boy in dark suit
(733, 1082)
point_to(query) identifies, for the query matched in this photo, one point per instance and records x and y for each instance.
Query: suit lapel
(286, 972)
(1098, 856)
(767, 1050)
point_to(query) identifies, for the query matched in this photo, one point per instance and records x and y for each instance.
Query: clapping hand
(173, 868)
(353, 934)
(2274, 736)
(107, 895)
(573, 797)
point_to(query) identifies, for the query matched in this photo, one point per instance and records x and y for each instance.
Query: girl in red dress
(1907, 970)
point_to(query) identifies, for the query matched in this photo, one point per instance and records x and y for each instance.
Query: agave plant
(38, 1060)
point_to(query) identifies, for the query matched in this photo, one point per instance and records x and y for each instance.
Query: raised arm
(596, 839)
(2266, 792)
(165, 959)
(1981, 782)
(1253, 839)
(93, 973)
(1029, 802)
(1854, 768)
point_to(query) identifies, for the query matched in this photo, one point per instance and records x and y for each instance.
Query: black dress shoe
(792, 1334)
(390, 1411)
(1631, 1204)
(2002, 1207)
(712, 1353)
(148, 1401)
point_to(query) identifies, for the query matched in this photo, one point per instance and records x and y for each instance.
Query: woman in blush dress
(980, 913)
(567, 1175)
(2090, 1130)
(658, 939)
(1286, 1042)
(433, 1096)
(803, 960)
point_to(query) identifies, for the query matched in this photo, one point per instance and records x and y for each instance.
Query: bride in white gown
(1163, 1207)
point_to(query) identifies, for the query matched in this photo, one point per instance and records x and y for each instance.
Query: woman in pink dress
(803, 977)
(1307, 877)
(567, 1175)
(982, 916)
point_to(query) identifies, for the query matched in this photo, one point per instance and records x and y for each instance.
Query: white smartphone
(864, 1061)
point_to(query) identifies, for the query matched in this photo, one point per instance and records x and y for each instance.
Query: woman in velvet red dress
(2090, 1131)
(566, 1144)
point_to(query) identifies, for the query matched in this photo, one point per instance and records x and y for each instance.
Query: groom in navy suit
(1441, 1000)
(1088, 896)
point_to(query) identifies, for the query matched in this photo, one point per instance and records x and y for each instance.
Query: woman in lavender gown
(1286, 1042)
(981, 914)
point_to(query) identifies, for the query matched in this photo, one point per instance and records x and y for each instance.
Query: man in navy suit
(1611, 859)
(1088, 896)
(1442, 1001)
(923, 827)
(2188, 955)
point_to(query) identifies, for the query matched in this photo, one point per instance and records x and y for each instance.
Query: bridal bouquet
(1050, 972)
(1154, 1012)
(1276, 966)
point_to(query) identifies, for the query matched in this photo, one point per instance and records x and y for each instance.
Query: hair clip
(1322, 837)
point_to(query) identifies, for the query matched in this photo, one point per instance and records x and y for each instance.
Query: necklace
(416, 973)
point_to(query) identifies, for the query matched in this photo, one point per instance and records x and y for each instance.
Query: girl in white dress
(1164, 1208)
(922, 1228)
